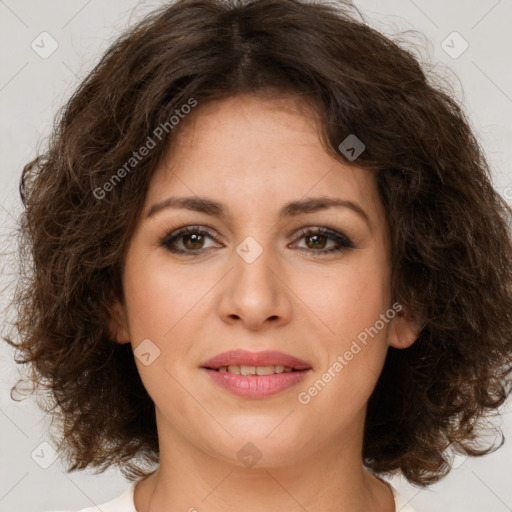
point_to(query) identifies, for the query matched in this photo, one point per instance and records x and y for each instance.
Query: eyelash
(342, 241)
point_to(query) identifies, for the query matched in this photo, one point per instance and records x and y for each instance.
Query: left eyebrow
(292, 209)
(315, 204)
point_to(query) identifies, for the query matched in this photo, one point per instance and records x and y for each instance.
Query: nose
(255, 293)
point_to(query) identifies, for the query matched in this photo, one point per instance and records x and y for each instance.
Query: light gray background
(33, 88)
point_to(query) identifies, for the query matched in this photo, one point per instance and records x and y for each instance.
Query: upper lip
(263, 358)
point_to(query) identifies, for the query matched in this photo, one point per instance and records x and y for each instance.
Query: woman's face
(267, 265)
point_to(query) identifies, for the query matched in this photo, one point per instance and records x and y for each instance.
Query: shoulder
(122, 503)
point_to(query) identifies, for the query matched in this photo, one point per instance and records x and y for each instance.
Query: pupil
(197, 241)
(316, 237)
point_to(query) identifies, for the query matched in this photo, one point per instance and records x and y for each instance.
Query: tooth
(265, 370)
(254, 370)
(247, 370)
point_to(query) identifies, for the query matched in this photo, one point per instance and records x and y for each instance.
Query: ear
(404, 329)
(118, 322)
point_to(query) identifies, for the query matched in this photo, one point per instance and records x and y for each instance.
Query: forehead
(256, 154)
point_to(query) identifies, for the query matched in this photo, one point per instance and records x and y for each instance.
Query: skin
(255, 155)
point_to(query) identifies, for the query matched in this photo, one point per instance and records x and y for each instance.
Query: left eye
(317, 239)
(190, 240)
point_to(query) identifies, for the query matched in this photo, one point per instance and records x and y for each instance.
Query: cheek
(346, 298)
(161, 309)
(157, 297)
(163, 306)
(354, 352)
(350, 301)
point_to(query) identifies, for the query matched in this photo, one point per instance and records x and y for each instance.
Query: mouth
(256, 374)
(255, 370)
(266, 362)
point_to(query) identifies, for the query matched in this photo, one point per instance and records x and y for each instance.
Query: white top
(124, 503)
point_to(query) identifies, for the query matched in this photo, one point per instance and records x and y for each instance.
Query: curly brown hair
(450, 238)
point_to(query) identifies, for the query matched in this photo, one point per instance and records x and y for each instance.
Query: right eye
(187, 241)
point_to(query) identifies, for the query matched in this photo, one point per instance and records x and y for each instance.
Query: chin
(257, 443)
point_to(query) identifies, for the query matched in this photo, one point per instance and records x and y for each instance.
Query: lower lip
(256, 386)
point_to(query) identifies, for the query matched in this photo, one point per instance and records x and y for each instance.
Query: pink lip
(263, 358)
(256, 386)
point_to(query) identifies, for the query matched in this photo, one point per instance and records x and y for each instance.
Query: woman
(269, 265)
